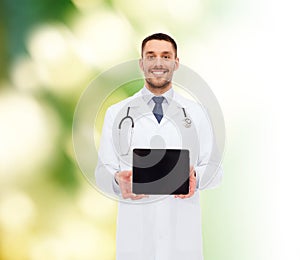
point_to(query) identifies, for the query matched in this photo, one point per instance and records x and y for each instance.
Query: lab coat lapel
(172, 111)
(139, 108)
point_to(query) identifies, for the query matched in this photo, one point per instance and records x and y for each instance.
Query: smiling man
(168, 228)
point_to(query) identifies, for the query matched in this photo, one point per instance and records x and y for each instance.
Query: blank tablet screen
(160, 171)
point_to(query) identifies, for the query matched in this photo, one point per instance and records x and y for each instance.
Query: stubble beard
(159, 82)
(158, 85)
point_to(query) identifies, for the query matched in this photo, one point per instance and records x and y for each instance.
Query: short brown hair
(160, 37)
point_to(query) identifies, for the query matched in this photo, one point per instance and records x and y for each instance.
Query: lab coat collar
(139, 105)
(148, 95)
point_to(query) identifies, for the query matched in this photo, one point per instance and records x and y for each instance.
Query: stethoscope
(187, 122)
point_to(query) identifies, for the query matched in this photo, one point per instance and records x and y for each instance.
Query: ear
(141, 64)
(176, 65)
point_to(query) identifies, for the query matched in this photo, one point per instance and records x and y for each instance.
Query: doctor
(157, 117)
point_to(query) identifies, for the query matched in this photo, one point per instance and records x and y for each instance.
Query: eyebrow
(152, 52)
(149, 52)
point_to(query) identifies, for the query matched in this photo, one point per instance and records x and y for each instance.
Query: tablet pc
(160, 171)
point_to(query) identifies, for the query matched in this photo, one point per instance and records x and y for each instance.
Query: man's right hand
(124, 179)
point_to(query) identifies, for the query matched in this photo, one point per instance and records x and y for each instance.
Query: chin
(159, 85)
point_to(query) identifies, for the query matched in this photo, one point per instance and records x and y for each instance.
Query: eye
(166, 57)
(150, 57)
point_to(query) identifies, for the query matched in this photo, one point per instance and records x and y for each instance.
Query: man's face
(158, 64)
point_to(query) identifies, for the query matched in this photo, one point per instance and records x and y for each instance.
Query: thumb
(127, 174)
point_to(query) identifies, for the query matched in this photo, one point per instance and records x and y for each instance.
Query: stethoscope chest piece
(187, 122)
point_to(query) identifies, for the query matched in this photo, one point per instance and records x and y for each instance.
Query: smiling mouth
(159, 73)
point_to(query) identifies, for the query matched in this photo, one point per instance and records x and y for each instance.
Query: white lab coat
(170, 228)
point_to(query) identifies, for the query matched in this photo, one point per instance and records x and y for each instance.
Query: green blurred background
(50, 51)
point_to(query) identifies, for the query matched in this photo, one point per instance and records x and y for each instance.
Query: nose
(158, 61)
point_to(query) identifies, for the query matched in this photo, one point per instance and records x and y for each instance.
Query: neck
(158, 91)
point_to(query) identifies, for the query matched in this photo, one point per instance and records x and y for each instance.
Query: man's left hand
(192, 185)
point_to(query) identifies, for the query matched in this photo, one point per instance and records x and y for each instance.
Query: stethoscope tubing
(186, 119)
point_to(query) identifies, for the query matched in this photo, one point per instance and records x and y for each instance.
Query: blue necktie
(157, 110)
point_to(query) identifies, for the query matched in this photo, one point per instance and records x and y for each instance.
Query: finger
(192, 184)
(126, 190)
(137, 197)
(124, 174)
(125, 179)
(126, 195)
(186, 196)
(127, 174)
(180, 196)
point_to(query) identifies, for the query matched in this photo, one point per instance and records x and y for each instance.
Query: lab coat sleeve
(208, 167)
(108, 162)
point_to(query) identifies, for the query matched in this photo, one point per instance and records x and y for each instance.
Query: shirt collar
(148, 95)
